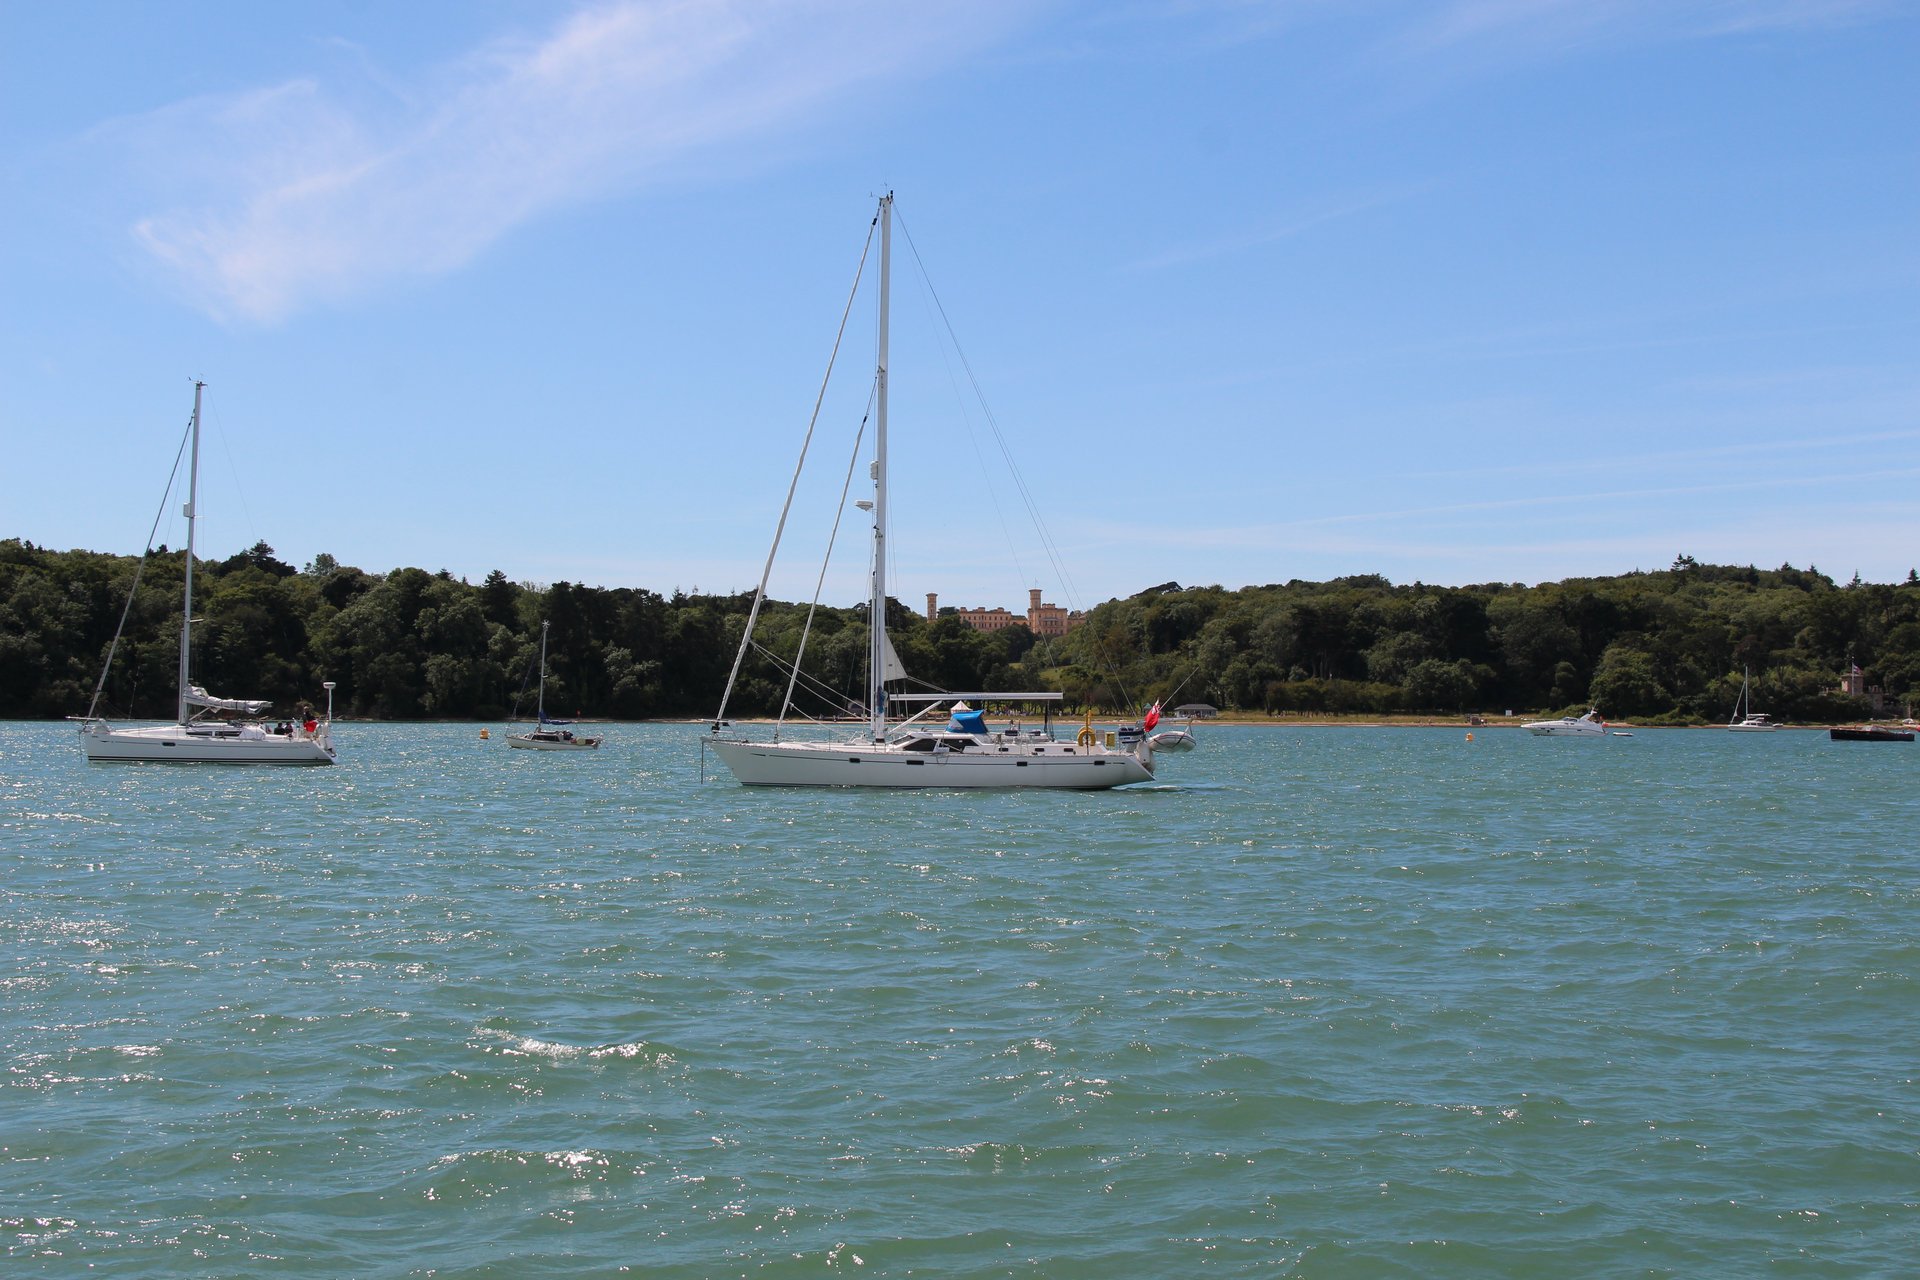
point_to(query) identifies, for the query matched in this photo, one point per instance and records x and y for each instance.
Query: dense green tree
(408, 643)
(1626, 684)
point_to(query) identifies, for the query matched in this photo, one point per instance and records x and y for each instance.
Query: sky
(1455, 292)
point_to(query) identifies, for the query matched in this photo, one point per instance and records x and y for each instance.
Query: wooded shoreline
(1666, 647)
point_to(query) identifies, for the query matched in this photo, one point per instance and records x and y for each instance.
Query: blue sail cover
(546, 719)
(967, 722)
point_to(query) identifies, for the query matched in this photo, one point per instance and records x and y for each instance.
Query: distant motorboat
(1869, 733)
(1589, 725)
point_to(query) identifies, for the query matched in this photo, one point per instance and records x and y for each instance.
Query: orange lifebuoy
(1086, 737)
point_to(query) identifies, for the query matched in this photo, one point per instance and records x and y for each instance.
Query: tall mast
(193, 498)
(541, 712)
(877, 617)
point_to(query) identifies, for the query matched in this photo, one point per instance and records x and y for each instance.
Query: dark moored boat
(1870, 733)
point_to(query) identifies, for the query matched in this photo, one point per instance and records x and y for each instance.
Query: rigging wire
(812, 684)
(212, 419)
(1006, 453)
(973, 437)
(1047, 543)
(760, 594)
(140, 569)
(846, 485)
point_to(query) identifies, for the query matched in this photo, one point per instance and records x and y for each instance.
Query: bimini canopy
(198, 697)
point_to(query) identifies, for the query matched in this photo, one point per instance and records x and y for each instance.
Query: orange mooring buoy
(1469, 737)
(484, 735)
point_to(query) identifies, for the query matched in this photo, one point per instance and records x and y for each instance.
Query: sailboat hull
(535, 742)
(823, 764)
(175, 744)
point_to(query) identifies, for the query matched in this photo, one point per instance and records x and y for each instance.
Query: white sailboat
(917, 752)
(551, 735)
(1745, 719)
(205, 730)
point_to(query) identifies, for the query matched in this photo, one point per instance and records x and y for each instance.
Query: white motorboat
(551, 735)
(965, 753)
(207, 729)
(1589, 725)
(1745, 719)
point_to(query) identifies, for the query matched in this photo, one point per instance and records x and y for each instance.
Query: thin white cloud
(1527, 29)
(1277, 534)
(1672, 460)
(1332, 210)
(310, 191)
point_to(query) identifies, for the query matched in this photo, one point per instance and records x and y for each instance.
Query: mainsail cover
(198, 697)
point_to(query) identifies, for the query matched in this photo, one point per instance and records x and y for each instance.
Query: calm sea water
(1322, 1003)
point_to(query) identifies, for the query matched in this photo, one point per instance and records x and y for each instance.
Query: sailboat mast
(540, 712)
(186, 613)
(877, 617)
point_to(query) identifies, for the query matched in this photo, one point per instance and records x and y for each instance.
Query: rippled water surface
(1322, 1003)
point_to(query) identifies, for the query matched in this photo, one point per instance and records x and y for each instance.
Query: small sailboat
(206, 729)
(551, 735)
(1744, 718)
(917, 751)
